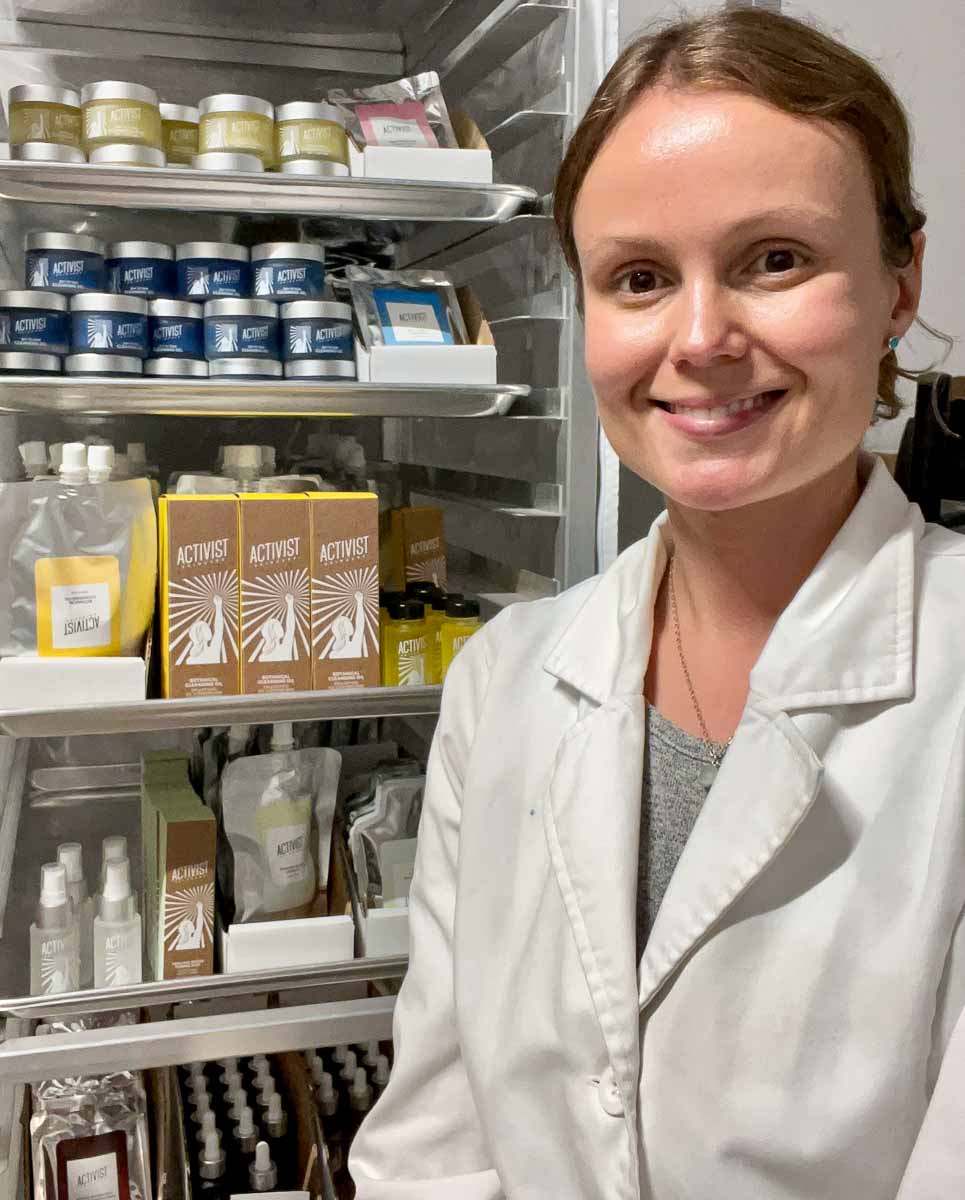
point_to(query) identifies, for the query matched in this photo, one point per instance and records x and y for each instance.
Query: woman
(743, 986)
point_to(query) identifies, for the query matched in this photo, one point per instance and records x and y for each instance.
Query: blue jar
(177, 329)
(141, 269)
(318, 331)
(288, 271)
(31, 320)
(241, 329)
(103, 365)
(213, 270)
(64, 263)
(105, 324)
(245, 368)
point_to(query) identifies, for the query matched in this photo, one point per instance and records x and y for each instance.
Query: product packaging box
(417, 548)
(276, 653)
(472, 162)
(345, 589)
(199, 596)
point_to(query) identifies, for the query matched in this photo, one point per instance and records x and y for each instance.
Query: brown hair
(790, 65)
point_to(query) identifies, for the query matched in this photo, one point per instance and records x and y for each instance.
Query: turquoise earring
(893, 343)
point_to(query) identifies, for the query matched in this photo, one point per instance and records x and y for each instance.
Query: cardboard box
(345, 589)
(472, 162)
(276, 653)
(27, 682)
(199, 596)
(417, 548)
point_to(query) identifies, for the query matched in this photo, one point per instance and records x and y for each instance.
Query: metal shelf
(250, 398)
(522, 125)
(209, 987)
(146, 715)
(181, 188)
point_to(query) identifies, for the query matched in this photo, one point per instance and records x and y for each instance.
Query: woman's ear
(909, 280)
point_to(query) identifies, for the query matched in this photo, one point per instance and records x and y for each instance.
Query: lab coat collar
(845, 638)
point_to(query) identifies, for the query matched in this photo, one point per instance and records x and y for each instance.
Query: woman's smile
(713, 417)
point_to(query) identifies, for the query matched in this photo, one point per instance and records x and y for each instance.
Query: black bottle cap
(460, 607)
(421, 589)
(386, 597)
(441, 599)
(406, 610)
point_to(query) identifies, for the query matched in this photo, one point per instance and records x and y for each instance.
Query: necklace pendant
(708, 773)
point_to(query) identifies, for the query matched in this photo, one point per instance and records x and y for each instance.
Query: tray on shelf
(251, 398)
(182, 188)
(146, 715)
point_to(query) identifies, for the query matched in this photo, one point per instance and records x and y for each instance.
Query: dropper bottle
(276, 1133)
(71, 854)
(244, 1140)
(54, 950)
(380, 1077)
(100, 463)
(262, 1174)
(209, 1124)
(333, 1126)
(211, 1167)
(73, 463)
(360, 1101)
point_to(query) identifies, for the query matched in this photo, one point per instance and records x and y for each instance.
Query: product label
(33, 121)
(67, 273)
(31, 329)
(187, 898)
(345, 591)
(93, 1168)
(56, 973)
(390, 124)
(397, 866)
(418, 547)
(78, 605)
(120, 949)
(312, 139)
(199, 596)
(149, 277)
(122, 121)
(412, 317)
(282, 279)
(320, 337)
(245, 133)
(275, 594)
(81, 615)
(212, 279)
(237, 337)
(109, 333)
(288, 855)
(182, 337)
(180, 141)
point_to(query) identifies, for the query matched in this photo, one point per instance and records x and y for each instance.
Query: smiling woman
(687, 915)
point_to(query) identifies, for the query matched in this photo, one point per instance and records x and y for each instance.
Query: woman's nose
(706, 326)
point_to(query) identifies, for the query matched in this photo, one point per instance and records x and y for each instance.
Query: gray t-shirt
(673, 796)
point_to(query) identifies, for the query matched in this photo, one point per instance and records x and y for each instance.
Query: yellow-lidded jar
(462, 621)
(115, 112)
(179, 133)
(405, 647)
(39, 113)
(308, 129)
(237, 125)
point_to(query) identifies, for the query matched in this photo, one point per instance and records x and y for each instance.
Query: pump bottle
(71, 854)
(54, 949)
(117, 930)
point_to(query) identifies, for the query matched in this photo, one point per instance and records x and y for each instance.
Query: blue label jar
(106, 324)
(212, 270)
(177, 329)
(31, 320)
(141, 269)
(65, 263)
(288, 271)
(317, 329)
(240, 329)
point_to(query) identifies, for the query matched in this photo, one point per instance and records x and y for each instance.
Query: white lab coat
(781, 1037)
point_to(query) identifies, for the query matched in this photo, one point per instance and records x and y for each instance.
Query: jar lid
(309, 110)
(240, 308)
(117, 89)
(406, 610)
(321, 368)
(32, 298)
(141, 250)
(225, 160)
(108, 302)
(461, 607)
(313, 166)
(253, 367)
(308, 250)
(176, 308)
(63, 241)
(333, 309)
(211, 250)
(179, 112)
(102, 364)
(441, 599)
(122, 154)
(422, 589)
(17, 360)
(184, 367)
(224, 102)
(42, 93)
(47, 152)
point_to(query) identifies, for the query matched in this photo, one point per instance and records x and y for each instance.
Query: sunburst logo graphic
(432, 570)
(40, 274)
(345, 614)
(54, 975)
(199, 281)
(116, 972)
(300, 339)
(276, 623)
(189, 918)
(412, 661)
(203, 618)
(100, 335)
(264, 278)
(4, 331)
(225, 337)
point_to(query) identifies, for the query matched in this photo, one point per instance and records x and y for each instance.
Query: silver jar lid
(102, 364)
(47, 152)
(32, 298)
(320, 368)
(17, 360)
(269, 250)
(121, 154)
(313, 166)
(179, 112)
(240, 367)
(224, 102)
(240, 308)
(108, 302)
(63, 241)
(212, 250)
(189, 368)
(309, 110)
(316, 308)
(176, 308)
(117, 89)
(141, 250)
(226, 160)
(42, 93)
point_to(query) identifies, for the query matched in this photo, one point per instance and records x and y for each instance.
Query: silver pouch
(373, 292)
(394, 817)
(405, 112)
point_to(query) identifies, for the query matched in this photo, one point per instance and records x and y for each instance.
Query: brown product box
(187, 836)
(345, 589)
(199, 596)
(418, 547)
(276, 653)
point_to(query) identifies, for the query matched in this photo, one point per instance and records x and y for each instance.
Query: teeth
(719, 412)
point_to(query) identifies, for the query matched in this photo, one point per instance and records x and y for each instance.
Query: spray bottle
(54, 942)
(71, 854)
(117, 930)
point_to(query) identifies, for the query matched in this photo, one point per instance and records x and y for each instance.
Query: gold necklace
(709, 770)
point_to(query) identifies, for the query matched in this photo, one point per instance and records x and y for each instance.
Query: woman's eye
(777, 262)
(638, 282)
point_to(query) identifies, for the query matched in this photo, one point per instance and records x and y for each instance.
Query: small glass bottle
(71, 854)
(212, 1168)
(462, 621)
(435, 619)
(405, 651)
(380, 1076)
(262, 1174)
(117, 930)
(244, 1141)
(360, 1101)
(54, 943)
(275, 1124)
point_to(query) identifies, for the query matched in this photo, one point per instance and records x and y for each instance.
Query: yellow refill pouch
(78, 606)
